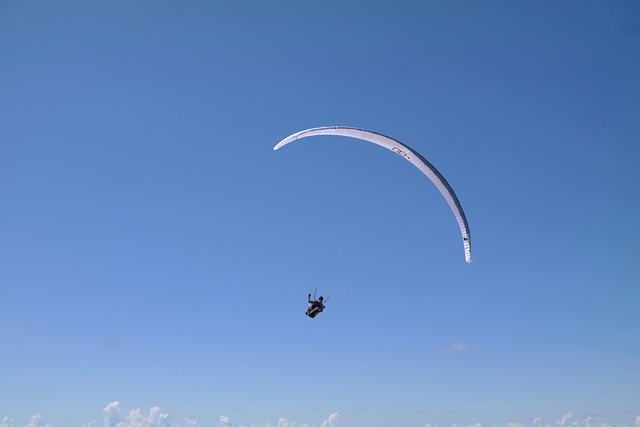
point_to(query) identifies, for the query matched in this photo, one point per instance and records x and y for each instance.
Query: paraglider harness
(315, 306)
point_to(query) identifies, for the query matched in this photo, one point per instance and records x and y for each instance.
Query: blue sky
(157, 253)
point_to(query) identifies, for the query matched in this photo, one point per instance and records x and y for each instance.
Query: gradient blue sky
(156, 252)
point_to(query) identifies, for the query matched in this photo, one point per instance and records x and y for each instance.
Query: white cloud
(537, 422)
(112, 414)
(36, 421)
(225, 421)
(458, 347)
(113, 417)
(156, 418)
(331, 421)
(136, 418)
(562, 422)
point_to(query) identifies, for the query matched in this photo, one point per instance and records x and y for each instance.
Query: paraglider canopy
(407, 153)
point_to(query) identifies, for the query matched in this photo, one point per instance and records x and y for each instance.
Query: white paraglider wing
(414, 157)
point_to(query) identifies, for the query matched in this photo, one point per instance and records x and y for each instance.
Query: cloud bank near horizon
(114, 416)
